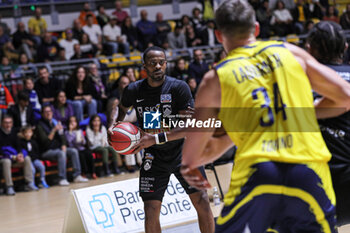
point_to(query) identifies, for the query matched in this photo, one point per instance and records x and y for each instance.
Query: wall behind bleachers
(66, 19)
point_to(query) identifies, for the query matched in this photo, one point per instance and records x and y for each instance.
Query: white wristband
(157, 138)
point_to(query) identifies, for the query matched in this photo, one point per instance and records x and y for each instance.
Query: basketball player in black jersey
(327, 43)
(157, 98)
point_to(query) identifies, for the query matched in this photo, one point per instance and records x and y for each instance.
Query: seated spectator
(208, 35)
(163, 28)
(263, 16)
(22, 114)
(6, 99)
(6, 45)
(177, 39)
(81, 91)
(345, 18)
(331, 15)
(114, 38)
(192, 40)
(11, 154)
(62, 54)
(46, 86)
(23, 41)
(308, 26)
(8, 69)
(316, 9)
(96, 135)
(301, 14)
(25, 64)
(6, 28)
(193, 86)
(85, 12)
(48, 49)
(180, 72)
(119, 13)
(77, 30)
(281, 20)
(62, 110)
(99, 86)
(28, 84)
(198, 67)
(76, 139)
(102, 17)
(94, 32)
(87, 48)
(29, 144)
(115, 97)
(53, 146)
(146, 30)
(68, 44)
(37, 26)
(130, 32)
(196, 20)
(78, 54)
(130, 73)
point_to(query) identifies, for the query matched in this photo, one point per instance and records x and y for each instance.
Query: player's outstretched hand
(195, 178)
(146, 141)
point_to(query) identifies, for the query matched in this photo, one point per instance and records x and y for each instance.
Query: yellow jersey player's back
(267, 105)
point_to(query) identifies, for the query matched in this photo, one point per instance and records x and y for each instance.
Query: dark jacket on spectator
(88, 89)
(9, 144)
(18, 36)
(31, 147)
(48, 90)
(43, 130)
(197, 70)
(16, 114)
(63, 114)
(48, 51)
(131, 34)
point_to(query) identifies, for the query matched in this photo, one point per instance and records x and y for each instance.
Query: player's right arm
(325, 81)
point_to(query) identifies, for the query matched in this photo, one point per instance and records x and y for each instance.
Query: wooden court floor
(43, 211)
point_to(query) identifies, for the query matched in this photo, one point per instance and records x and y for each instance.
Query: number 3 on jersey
(278, 104)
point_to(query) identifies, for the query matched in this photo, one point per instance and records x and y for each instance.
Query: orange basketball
(125, 136)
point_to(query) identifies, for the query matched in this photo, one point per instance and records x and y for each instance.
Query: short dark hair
(152, 48)
(23, 95)
(6, 116)
(43, 67)
(235, 18)
(327, 38)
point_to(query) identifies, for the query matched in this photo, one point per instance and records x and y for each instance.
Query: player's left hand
(194, 178)
(146, 141)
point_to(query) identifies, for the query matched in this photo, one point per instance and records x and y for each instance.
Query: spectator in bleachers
(331, 15)
(25, 64)
(130, 73)
(180, 72)
(68, 44)
(177, 39)
(28, 84)
(130, 31)
(163, 28)
(22, 114)
(62, 54)
(289, 4)
(84, 13)
(185, 21)
(53, 146)
(23, 41)
(76, 139)
(7, 47)
(196, 19)
(37, 26)
(94, 32)
(208, 35)
(46, 86)
(28, 143)
(301, 14)
(192, 39)
(308, 26)
(6, 99)
(87, 48)
(102, 17)
(81, 91)
(77, 30)
(193, 86)
(96, 134)
(114, 39)
(316, 9)
(263, 16)
(48, 49)
(146, 30)
(4, 26)
(281, 20)
(207, 9)
(11, 154)
(120, 13)
(98, 82)
(61, 109)
(345, 18)
(198, 67)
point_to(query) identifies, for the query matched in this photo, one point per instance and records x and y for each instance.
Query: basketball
(125, 136)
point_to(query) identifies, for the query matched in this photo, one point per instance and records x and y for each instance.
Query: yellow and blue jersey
(267, 105)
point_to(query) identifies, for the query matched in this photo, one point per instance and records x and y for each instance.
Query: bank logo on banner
(102, 208)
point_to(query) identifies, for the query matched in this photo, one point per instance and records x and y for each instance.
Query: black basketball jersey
(166, 100)
(336, 131)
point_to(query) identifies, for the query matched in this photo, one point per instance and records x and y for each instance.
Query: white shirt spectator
(93, 32)
(68, 47)
(281, 15)
(113, 32)
(96, 139)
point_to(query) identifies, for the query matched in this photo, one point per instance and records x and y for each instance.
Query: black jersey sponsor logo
(165, 98)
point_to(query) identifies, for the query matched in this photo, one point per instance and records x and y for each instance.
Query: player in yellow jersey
(262, 94)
